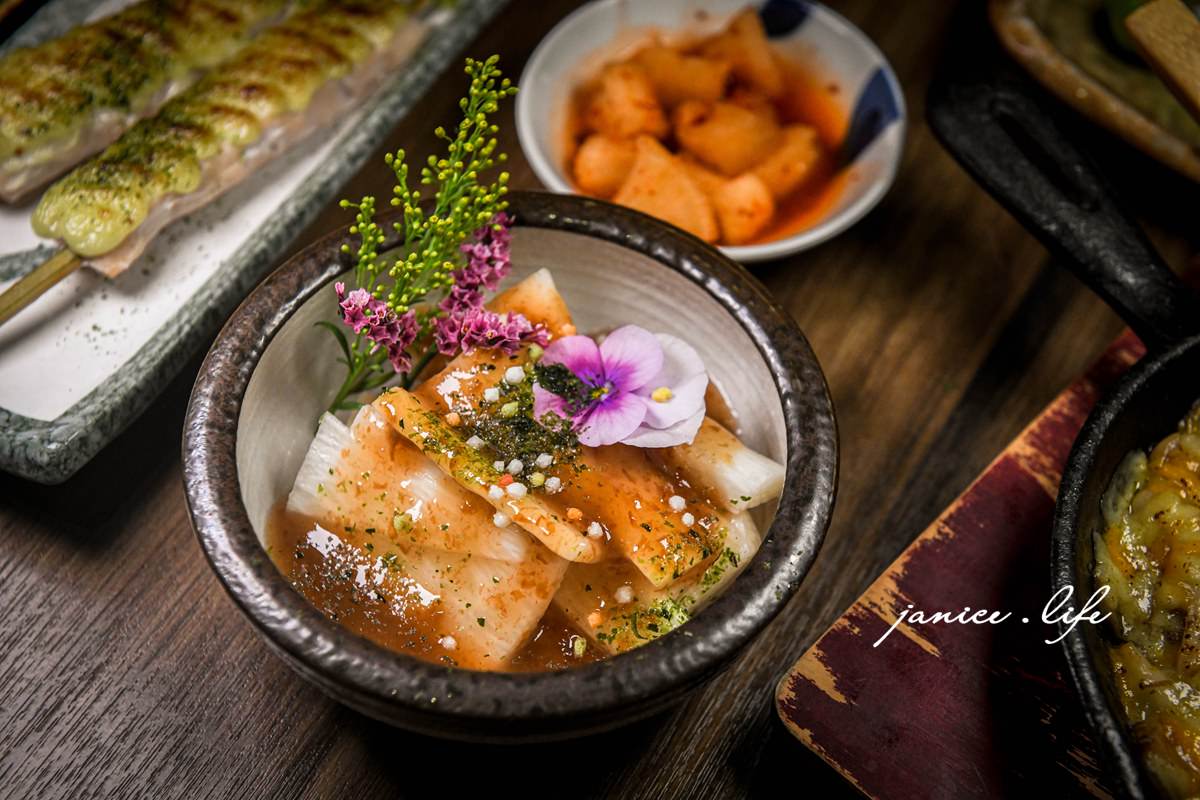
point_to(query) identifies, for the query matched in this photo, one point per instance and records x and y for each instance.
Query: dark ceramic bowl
(270, 373)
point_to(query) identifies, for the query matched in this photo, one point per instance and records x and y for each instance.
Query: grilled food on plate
(296, 77)
(68, 98)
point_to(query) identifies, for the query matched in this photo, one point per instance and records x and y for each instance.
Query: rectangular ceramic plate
(86, 358)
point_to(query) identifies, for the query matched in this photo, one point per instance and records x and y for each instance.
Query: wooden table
(942, 326)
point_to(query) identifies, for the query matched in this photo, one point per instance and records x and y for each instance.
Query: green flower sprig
(462, 204)
(393, 309)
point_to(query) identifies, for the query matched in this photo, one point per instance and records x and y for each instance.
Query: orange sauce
(552, 647)
(808, 206)
(814, 102)
(354, 588)
(818, 103)
(340, 579)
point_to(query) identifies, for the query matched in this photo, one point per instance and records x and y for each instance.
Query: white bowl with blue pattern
(598, 31)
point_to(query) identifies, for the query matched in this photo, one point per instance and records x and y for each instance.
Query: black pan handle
(993, 125)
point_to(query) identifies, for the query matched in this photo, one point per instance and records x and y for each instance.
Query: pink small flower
(369, 316)
(467, 325)
(489, 259)
(479, 328)
(461, 299)
(446, 333)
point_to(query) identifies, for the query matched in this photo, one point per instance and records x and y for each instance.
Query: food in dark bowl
(272, 373)
(419, 476)
(535, 506)
(1148, 557)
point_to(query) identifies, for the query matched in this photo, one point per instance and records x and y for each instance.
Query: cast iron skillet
(999, 131)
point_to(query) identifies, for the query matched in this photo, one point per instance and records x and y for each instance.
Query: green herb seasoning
(509, 428)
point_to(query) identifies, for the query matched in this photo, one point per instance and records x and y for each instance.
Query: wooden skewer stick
(36, 283)
(1168, 35)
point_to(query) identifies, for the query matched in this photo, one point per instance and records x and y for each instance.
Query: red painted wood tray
(962, 710)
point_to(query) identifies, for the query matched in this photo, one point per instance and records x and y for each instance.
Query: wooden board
(962, 710)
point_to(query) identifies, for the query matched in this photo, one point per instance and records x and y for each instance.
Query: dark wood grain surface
(943, 329)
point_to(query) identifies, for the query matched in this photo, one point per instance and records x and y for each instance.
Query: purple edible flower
(467, 325)
(489, 259)
(460, 300)
(368, 315)
(479, 328)
(646, 390)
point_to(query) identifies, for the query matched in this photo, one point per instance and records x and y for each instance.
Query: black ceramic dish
(500, 707)
(1009, 142)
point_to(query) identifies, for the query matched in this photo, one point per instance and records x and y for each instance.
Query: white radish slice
(538, 299)
(467, 610)
(324, 454)
(446, 447)
(619, 609)
(369, 478)
(631, 498)
(622, 494)
(737, 477)
(491, 608)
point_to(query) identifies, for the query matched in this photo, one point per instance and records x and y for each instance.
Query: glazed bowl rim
(831, 226)
(380, 679)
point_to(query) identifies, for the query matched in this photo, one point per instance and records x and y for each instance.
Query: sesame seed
(553, 484)
(514, 375)
(453, 419)
(676, 503)
(623, 594)
(574, 513)
(491, 394)
(515, 466)
(688, 518)
(474, 443)
(448, 642)
(595, 530)
(544, 460)
(495, 492)
(517, 489)
(501, 520)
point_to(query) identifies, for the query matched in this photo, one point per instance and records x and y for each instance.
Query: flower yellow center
(662, 394)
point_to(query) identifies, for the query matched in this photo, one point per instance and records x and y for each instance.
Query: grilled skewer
(66, 99)
(295, 78)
